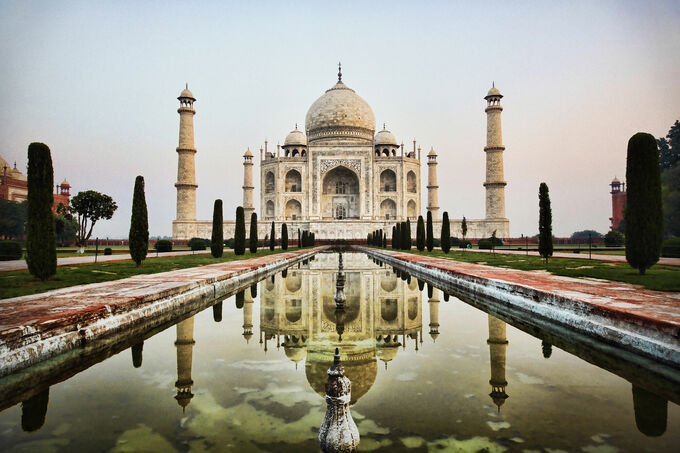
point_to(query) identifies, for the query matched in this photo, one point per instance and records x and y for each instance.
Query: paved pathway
(583, 255)
(621, 300)
(19, 265)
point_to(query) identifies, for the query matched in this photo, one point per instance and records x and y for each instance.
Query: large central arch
(340, 197)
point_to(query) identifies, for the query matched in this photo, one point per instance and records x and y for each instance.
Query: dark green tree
(138, 239)
(41, 236)
(545, 242)
(240, 232)
(272, 237)
(217, 237)
(253, 233)
(669, 147)
(407, 236)
(463, 228)
(420, 234)
(429, 241)
(446, 233)
(12, 218)
(644, 210)
(299, 239)
(384, 244)
(398, 236)
(394, 237)
(284, 237)
(670, 184)
(90, 207)
(585, 234)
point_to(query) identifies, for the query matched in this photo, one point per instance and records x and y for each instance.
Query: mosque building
(339, 178)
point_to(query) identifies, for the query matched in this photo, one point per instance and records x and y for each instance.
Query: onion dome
(186, 94)
(493, 92)
(385, 137)
(295, 138)
(340, 112)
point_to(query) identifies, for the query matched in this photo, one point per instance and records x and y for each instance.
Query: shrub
(455, 242)
(197, 244)
(240, 232)
(163, 245)
(41, 234)
(614, 238)
(217, 235)
(10, 250)
(138, 238)
(484, 244)
(464, 244)
(671, 248)
(229, 243)
(643, 212)
(108, 251)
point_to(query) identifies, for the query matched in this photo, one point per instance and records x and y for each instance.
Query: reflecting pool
(429, 373)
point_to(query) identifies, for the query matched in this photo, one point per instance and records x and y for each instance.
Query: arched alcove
(388, 209)
(388, 181)
(293, 210)
(411, 209)
(269, 186)
(340, 196)
(411, 182)
(293, 181)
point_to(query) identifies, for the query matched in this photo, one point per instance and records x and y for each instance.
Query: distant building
(618, 202)
(14, 186)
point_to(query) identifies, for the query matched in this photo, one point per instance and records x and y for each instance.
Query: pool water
(428, 375)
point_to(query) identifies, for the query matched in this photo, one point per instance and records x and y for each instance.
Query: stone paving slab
(20, 265)
(34, 318)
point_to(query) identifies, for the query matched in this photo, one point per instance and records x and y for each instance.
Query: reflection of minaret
(497, 345)
(248, 316)
(185, 345)
(434, 314)
(651, 412)
(33, 411)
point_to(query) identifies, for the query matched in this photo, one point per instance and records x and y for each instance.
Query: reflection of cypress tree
(408, 279)
(421, 285)
(547, 349)
(217, 312)
(253, 290)
(137, 354)
(284, 274)
(429, 290)
(33, 411)
(446, 297)
(404, 275)
(240, 299)
(650, 412)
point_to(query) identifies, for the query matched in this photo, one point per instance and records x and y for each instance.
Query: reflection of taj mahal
(340, 170)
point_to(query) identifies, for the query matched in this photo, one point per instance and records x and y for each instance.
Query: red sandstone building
(14, 186)
(618, 202)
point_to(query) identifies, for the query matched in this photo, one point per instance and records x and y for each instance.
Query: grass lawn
(20, 283)
(660, 278)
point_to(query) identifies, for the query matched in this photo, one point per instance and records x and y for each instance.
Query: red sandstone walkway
(26, 319)
(19, 265)
(619, 299)
(580, 256)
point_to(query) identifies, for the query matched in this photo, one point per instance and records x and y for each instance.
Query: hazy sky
(98, 83)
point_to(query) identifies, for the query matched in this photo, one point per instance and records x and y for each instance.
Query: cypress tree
(545, 243)
(396, 240)
(253, 233)
(394, 237)
(384, 244)
(138, 239)
(240, 232)
(217, 237)
(446, 233)
(299, 239)
(284, 237)
(313, 240)
(41, 233)
(272, 238)
(420, 234)
(430, 234)
(368, 239)
(409, 241)
(643, 212)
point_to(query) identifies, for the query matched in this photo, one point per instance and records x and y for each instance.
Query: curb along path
(643, 321)
(39, 326)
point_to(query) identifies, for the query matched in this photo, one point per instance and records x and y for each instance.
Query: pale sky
(98, 82)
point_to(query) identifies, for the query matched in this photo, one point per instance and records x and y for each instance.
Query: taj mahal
(339, 178)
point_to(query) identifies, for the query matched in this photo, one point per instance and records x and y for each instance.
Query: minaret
(434, 314)
(247, 316)
(248, 186)
(185, 345)
(495, 182)
(186, 167)
(432, 187)
(497, 345)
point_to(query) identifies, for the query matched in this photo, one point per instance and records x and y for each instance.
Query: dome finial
(339, 72)
(295, 126)
(384, 128)
(186, 85)
(493, 84)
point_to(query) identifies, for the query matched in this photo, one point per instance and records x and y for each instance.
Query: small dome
(295, 138)
(493, 92)
(385, 137)
(431, 153)
(65, 183)
(248, 153)
(616, 180)
(295, 353)
(186, 94)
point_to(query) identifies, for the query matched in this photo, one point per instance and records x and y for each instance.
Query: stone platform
(36, 327)
(617, 314)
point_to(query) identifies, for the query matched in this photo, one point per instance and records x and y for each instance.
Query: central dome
(340, 112)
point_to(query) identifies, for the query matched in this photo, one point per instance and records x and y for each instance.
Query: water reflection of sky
(253, 380)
